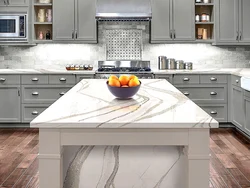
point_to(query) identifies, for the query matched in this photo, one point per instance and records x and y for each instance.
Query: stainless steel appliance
(13, 27)
(171, 64)
(139, 68)
(162, 62)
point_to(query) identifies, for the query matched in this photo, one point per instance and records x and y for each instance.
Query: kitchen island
(124, 143)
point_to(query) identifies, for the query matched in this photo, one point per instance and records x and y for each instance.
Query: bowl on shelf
(123, 92)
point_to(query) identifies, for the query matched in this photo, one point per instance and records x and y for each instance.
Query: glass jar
(204, 17)
(197, 18)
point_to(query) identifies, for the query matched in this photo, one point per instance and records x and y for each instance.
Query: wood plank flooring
(229, 164)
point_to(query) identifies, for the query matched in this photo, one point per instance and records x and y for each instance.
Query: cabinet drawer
(217, 111)
(247, 93)
(213, 79)
(30, 111)
(43, 94)
(206, 94)
(62, 79)
(87, 76)
(35, 79)
(186, 79)
(164, 76)
(235, 80)
(9, 79)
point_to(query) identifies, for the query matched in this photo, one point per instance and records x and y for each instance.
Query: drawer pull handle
(62, 93)
(2, 79)
(62, 79)
(213, 93)
(35, 93)
(35, 113)
(35, 79)
(186, 93)
(185, 79)
(237, 81)
(213, 79)
(213, 112)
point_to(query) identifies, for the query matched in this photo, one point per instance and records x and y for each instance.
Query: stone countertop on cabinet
(44, 71)
(158, 104)
(234, 71)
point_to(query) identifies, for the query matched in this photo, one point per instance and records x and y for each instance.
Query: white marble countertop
(44, 71)
(158, 104)
(234, 71)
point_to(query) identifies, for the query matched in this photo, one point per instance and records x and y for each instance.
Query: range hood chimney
(129, 10)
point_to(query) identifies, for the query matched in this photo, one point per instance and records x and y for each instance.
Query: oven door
(9, 26)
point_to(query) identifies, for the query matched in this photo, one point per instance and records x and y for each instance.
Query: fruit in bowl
(123, 87)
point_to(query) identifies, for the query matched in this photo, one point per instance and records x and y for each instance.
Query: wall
(56, 56)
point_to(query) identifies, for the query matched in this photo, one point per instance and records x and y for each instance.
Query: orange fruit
(133, 76)
(133, 82)
(114, 82)
(113, 77)
(124, 80)
(125, 86)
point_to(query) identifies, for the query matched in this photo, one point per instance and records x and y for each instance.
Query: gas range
(139, 68)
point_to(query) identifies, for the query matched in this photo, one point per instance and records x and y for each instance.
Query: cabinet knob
(2, 79)
(35, 113)
(213, 112)
(62, 93)
(186, 93)
(213, 79)
(62, 79)
(237, 81)
(35, 93)
(213, 93)
(186, 79)
(35, 79)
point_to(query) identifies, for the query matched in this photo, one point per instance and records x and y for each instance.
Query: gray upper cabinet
(183, 20)
(63, 25)
(227, 21)
(244, 24)
(172, 20)
(17, 2)
(85, 21)
(10, 104)
(160, 23)
(237, 111)
(233, 22)
(74, 20)
(3, 3)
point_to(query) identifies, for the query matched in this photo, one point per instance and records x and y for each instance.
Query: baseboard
(14, 125)
(226, 125)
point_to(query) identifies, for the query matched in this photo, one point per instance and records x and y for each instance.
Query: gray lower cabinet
(74, 20)
(85, 76)
(247, 110)
(10, 111)
(63, 20)
(31, 111)
(164, 76)
(217, 111)
(237, 109)
(244, 24)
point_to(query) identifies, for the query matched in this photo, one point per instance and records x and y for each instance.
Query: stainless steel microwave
(13, 27)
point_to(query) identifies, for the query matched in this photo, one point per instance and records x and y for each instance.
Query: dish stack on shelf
(204, 20)
(42, 20)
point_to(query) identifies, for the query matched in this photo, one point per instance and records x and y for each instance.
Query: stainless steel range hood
(130, 10)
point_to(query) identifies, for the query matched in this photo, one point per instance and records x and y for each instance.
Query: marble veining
(158, 104)
(127, 167)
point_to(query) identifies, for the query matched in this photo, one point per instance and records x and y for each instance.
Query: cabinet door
(10, 104)
(247, 110)
(237, 110)
(17, 2)
(64, 19)
(228, 21)
(85, 21)
(183, 20)
(3, 3)
(244, 14)
(160, 23)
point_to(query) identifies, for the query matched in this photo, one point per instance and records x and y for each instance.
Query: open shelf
(42, 4)
(204, 4)
(43, 23)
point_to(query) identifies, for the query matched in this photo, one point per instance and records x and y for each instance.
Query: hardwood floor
(229, 164)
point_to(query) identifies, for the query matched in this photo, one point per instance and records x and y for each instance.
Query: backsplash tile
(56, 56)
